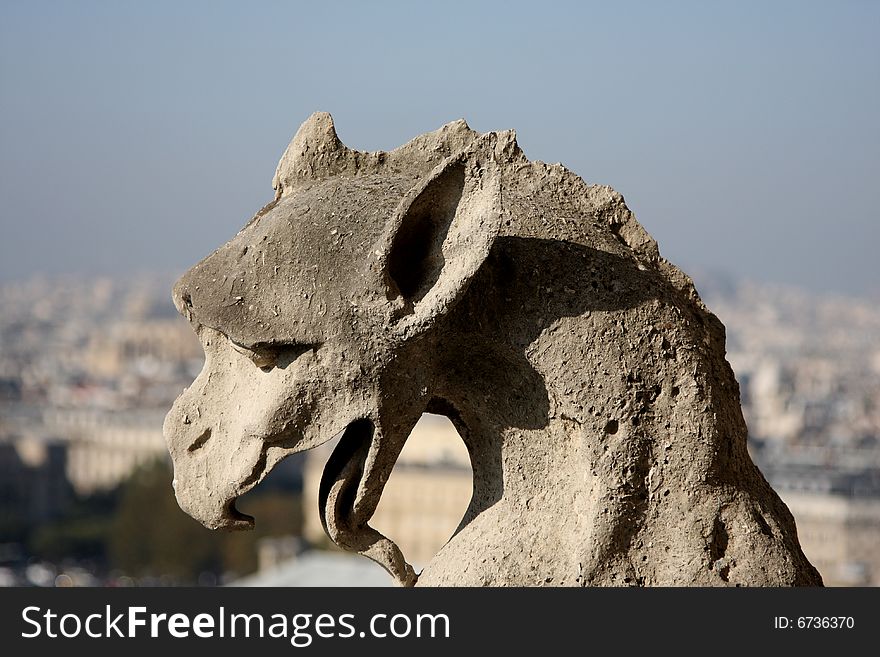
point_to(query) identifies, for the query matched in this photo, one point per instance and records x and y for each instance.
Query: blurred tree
(81, 534)
(151, 536)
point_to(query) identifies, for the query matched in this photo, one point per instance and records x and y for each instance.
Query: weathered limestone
(453, 275)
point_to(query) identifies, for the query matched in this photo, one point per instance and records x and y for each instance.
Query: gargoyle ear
(314, 154)
(440, 235)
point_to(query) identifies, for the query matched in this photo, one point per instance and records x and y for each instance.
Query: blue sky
(745, 136)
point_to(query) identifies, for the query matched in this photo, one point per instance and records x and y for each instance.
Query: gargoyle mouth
(233, 519)
(337, 502)
(212, 508)
(230, 517)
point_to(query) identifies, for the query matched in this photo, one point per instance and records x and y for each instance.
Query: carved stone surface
(455, 276)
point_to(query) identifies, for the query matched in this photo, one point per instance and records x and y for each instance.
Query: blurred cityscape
(90, 366)
(809, 373)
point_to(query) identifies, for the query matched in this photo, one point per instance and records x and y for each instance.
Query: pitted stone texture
(455, 276)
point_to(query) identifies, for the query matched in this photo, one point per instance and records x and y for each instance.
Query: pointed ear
(440, 235)
(315, 153)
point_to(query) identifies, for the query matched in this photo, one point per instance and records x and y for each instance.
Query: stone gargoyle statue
(454, 276)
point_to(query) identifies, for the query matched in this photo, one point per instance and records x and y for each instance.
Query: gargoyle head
(320, 317)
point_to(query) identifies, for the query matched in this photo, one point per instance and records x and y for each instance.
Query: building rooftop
(318, 568)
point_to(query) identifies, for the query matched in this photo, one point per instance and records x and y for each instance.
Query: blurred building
(146, 343)
(33, 485)
(839, 534)
(100, 448)
(837, 511)
(90, 367)
(105, 448)
(809, 373)
(319, 568)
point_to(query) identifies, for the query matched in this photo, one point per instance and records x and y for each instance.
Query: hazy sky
(745, 136)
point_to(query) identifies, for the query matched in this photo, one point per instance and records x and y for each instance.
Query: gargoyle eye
(268, 356)
(264, 356)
